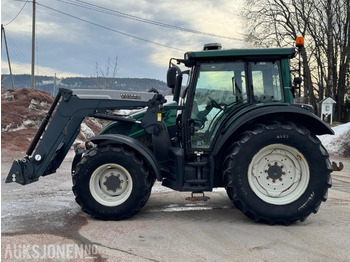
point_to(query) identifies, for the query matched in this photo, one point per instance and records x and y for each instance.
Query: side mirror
(171, 77)
(174, 81)
(297, 81)
(296, 84)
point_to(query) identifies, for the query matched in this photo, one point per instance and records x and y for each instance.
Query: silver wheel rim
(110, 185)
(278, 174)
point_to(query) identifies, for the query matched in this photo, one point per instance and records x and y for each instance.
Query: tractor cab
(225, 83)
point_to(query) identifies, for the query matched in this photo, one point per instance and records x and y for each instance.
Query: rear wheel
(112, 182)
(278, 173)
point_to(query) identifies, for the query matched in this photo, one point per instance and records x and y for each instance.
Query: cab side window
(266, 81)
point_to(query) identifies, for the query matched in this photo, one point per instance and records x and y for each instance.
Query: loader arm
(59, 131)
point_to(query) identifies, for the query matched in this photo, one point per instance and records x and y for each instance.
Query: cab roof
(241, 53)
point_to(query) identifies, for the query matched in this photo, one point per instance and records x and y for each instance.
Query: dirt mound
(23, 108)
(22, 112)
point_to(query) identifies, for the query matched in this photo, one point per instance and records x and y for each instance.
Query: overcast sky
(72, 36)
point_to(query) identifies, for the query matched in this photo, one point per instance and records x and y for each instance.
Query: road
(42, 222)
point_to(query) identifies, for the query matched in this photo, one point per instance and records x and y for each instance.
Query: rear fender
(292, 113)
(132, 143)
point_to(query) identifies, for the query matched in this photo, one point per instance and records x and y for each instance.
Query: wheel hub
(275, 171)
(113, 182)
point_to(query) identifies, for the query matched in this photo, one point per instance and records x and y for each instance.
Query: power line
(110, 29)
(109, 11)
(7, 54)
(17, 13)
(17, 51)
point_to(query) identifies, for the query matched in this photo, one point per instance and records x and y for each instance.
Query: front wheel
(278, 173)
(112, 182)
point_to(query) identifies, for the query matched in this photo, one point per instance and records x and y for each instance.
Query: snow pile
(339, 143)
(90, 127)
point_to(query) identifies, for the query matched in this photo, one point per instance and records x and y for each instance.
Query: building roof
(327, 100)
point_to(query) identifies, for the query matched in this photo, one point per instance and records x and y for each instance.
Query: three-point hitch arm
(61, 126)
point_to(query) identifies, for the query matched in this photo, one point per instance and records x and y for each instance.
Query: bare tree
(106, 77)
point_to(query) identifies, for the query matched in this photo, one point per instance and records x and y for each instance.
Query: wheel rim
(278, 174)
(110, 185)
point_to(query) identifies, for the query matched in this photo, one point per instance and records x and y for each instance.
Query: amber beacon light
(299, 42)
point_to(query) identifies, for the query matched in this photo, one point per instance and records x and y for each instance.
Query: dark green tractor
(234, 125)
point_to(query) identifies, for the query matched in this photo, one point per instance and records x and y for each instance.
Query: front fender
(292, 113)
(135, 145)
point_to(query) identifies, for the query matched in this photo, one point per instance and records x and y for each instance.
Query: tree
(325, 24)
(105, 78)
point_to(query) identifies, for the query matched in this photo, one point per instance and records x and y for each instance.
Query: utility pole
(33, 44)
(7, 53)
(54, 86)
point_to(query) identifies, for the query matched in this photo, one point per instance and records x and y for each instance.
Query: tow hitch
(337, 167)
(194, 198)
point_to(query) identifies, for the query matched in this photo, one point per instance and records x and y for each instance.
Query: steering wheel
(199, 124)
(214, 103)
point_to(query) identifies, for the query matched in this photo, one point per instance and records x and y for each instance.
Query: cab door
(219, 87)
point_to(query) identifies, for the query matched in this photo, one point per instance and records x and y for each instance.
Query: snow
(25, 124)
(86, 130)
(339, 143)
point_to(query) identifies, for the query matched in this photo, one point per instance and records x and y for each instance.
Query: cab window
(266, 81)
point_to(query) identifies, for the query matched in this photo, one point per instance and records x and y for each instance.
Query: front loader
(234, 125)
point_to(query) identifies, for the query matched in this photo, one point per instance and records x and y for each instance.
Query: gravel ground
(42, 222)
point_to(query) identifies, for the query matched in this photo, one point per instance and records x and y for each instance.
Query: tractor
(233, 124)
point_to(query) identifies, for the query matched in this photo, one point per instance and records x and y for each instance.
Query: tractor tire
(277, 173)
(112, 182)
(229, 191)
